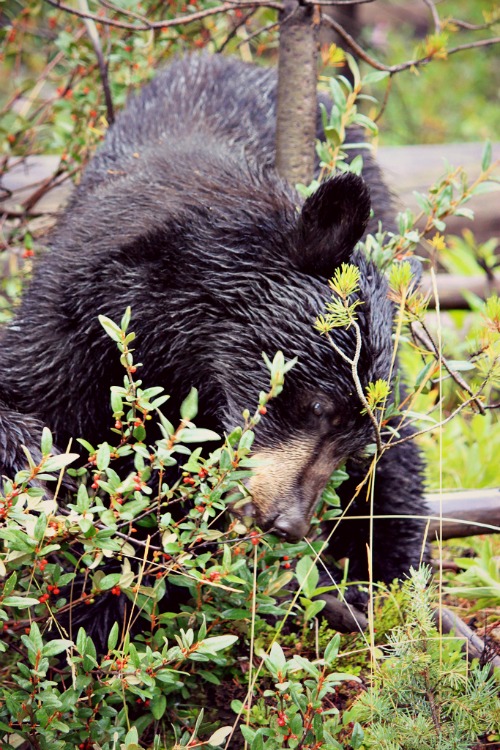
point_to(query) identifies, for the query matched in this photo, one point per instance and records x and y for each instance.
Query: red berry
(56, 591)
(285, 557)
(118, 424)
(263, 410)
(286, 565)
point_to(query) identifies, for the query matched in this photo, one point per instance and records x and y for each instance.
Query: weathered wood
(450, 288)
(415, 168)
(464, 513)
(474, 646)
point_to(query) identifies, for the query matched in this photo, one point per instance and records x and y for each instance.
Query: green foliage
(55, 561)
(157, 688)
(415, 111)
(292, 714)
(480, 579)
(424, 695)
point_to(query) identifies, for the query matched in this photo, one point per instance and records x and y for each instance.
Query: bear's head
(318, 421)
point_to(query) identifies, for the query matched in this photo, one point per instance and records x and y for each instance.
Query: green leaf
(424, 374)
(332, 649)
(10, 584)
(460, 365)
(111, 328)
(313, 609)
(56, 463)
(300, 663)
(40, 526)
(377, 75)
(216, 643)
(307, 575)
(209, 676)
(113, 637)
(103, 456)
(126, 319)
(158, 706)
(56, 647)
(276, 660)
(107, 582)
(46, 443)
(197, 435)
(19, 601)
(35, 637)
(218, 737)
(189, 407)
(357, 737)
(486, 158)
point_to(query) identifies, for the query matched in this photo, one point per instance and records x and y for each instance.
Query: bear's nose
(291, 528)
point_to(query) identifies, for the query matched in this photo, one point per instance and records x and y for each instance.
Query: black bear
(182, 215)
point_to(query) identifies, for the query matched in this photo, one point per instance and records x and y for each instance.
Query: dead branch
(429, 343)
(474, 646)
(374, 63)
(103, 65)
(464, 513)
(168, 22)
(451, 288)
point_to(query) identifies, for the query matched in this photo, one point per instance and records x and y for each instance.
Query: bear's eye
(317, 409)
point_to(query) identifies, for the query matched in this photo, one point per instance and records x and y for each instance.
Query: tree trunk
(297, 81)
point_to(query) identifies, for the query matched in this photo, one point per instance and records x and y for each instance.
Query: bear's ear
(330, 224)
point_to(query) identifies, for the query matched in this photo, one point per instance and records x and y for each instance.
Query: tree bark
(297, 81)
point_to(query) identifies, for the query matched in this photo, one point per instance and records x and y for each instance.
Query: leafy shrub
(424, 695)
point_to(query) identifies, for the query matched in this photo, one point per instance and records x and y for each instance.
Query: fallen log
(474, 647)
(450, 289)
(464, 513)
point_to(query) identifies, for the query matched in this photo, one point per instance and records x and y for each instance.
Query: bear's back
(205, 97)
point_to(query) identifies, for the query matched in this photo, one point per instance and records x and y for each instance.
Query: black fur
(182, 215)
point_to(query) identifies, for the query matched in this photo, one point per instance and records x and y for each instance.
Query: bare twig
(435, 15)
(363, 55)
(103, 65)
(447, 419)
(241, 22)
(470, 26)
(473, 645)
(429, 341)
(168, 22)
(262, 30)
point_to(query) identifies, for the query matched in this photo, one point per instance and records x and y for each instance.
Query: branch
(428, 341)
(360, 52)
(178, 21)
(435, 16)
(475, 648)
(103, 65)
